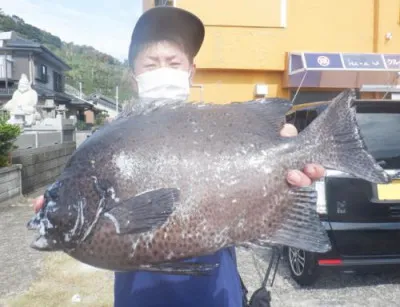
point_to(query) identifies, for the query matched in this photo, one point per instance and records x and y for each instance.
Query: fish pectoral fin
(301, 227)
(182, 268)
(144, 212)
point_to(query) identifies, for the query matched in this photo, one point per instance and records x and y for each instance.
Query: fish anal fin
(143, 212)
(182, 268)
(301, 227)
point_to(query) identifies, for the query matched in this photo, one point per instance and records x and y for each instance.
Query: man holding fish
(163, 45)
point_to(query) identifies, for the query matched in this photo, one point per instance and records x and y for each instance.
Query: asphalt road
(19, 265)
(18, 262)
(332, 288)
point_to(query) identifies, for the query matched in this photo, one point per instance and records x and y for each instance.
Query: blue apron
(222, 288)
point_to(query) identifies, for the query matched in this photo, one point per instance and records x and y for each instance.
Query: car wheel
(302, 265)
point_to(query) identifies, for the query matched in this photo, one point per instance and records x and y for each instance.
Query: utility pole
(6, 70)
(116, 97)
(80, 90)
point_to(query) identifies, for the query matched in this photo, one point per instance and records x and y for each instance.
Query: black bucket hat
(163, 21)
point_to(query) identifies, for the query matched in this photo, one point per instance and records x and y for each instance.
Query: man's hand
(38, 203)
(310, 173)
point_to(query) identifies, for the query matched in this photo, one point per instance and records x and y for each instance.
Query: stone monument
(22, 106)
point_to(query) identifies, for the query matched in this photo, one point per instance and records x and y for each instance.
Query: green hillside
(98, 72)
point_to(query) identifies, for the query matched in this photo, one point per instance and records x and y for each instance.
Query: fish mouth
(34, 223)
(41, 243)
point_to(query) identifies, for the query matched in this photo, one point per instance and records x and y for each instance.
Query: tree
(98, 72)
(8, 136)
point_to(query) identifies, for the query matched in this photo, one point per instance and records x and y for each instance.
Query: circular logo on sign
(323, 60)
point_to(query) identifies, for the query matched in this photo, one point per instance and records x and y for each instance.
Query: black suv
(362, 219)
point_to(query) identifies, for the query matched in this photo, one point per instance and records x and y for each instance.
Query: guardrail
(37, 139)
(7, 91)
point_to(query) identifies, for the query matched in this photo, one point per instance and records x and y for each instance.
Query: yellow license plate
(389, 191)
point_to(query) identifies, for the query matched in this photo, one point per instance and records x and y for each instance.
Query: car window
(301, 120)
(311, 115)
(381, 132)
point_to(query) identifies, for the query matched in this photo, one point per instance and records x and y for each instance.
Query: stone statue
(22, 106)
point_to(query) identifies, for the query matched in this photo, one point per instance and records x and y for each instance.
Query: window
(41, 73)
(58, 82)
(163, 3)
(6, 67)
(380, 132)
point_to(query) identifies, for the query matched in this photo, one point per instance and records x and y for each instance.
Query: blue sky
(106, 25)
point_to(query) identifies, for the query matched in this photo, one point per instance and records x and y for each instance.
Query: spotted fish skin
(174, 180)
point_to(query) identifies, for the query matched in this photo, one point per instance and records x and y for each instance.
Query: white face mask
(164, 83)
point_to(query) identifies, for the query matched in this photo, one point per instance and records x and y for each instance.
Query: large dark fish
(175, 180)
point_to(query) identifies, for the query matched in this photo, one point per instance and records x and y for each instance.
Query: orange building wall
(236, 84)
(247, 41)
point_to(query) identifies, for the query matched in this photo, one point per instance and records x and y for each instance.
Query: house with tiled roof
(45, 70)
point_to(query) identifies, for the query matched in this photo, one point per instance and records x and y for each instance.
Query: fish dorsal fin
(278, 106)
(143, 106)
(272, 111)
(301, 227)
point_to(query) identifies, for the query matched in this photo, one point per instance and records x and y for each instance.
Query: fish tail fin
(342, 146)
